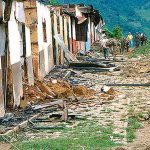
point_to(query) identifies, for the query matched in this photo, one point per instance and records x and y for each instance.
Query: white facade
(15, 37)
(43, 14)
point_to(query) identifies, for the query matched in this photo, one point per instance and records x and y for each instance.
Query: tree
(52, 2)
(108, 33)
(117, 32)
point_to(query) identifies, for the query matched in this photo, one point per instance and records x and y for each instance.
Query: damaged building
(28, 49)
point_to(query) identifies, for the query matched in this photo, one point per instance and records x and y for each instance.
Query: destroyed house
(84, 20)
(28, 48)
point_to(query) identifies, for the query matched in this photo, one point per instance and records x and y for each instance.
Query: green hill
(131, 15)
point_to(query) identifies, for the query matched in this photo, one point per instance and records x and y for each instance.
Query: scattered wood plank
(136, 85)
(60, 103)
(67, 75)
(17, 128)
(87, 64)
(96, 69)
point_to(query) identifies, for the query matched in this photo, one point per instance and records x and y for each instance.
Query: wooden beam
(130, 84)
(56, 43)
(62, 34)
(2, 106)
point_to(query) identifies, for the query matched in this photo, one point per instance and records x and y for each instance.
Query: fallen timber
(135, 85)
(16, 129)
(97, 69)
(88, 64)
(60, 103)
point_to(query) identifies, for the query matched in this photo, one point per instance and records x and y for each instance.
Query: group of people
(130, 41)
(140, 39)
(126, 43)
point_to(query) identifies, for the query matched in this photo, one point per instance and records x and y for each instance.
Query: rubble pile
(52, 88)
(64, 90)
(61, 88)
(82, 91)
(32, 94)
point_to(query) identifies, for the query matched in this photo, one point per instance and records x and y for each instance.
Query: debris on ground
(32, 94)
(64, 90)
(88, 94)
(82, 91)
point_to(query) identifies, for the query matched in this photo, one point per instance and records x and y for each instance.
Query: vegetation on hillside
(49, 2)
(131, 15)
(117, 32)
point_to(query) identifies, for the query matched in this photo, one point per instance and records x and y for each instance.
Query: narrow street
(115, 111)
(68, 81)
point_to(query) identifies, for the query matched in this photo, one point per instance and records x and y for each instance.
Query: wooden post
(65, 31)
(51, 45)
(31, 22)
(56, 43)
(29, 64)
(62, 34)
(92, 32)
(2, 106)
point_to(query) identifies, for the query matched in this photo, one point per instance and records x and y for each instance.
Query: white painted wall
(14, 44)
(20, 14)
(28, 42)
(15, 47)
(74, 29)
(2, 110)
(43, 13)
(88, 43)
(15, 32)
(2, 39)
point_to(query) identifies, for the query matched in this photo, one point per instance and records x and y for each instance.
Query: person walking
(130, 39)
(123, 45)
(106, 51)
(143, 39)
(137, 40)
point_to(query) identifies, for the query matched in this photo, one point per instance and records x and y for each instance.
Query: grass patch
(144, 50)
(133, 125)
(86, 135)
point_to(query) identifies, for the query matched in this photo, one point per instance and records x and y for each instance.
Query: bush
(117, 32)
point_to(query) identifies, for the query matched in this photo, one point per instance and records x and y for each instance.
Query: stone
(2, 129)
(54, 81)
